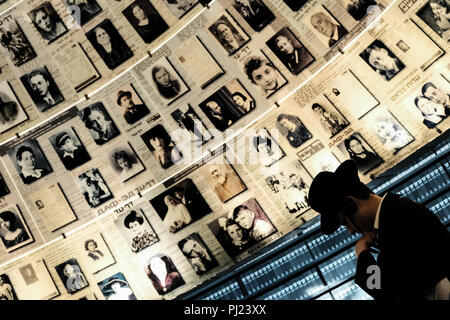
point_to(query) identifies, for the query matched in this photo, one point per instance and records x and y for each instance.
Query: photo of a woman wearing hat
(116, 288)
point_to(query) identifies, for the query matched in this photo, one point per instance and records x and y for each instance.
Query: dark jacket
(414, 251)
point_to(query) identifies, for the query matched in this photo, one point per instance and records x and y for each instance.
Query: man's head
(39, 82)
(95, 120)
(244, 216)
(26, 158)
(323, 24)
(192, 248)
(64, 142)
(214, 107)
(341, 199)
(380, 59)
(318, 109)
(124, 98)
(262, 73)
(284, 44)
(434, 93)
(217, 174)
(224, 32)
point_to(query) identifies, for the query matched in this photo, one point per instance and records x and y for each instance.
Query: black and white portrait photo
(127, 99)
(136, 230)
(255, 12)
(180, 205)
(116, 287)
(95, 252)
(47, 22)
(295, 5)
(82, 11)
(163, 274)
(433, 103)
(388, 130)
(166, 81)
(100, 125)
(223, 179)
(197, 253)
(109, 44)
(180, 7)
(161, 146)
(6, 288)
(71, 276)
(293, 129)
(94, 188)
(382, 60)
(268, 150)
(291, 52)
(125, 162)
(69, 148)
(358, 9)
(188, 121)
(227, 105)
(228, 33)
(326, 28)
(30, 161)
(331, 120)
(145, 20)
(263, 74)
(11, 111)
(436, 14)
(4, 190)
(357, 149)
(42, 88)
(13, 39)
(29, 274)
(14, 232)
(402, 45)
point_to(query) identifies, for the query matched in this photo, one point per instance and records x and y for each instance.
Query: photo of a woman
(47, 22)
(141, 235)
(360, 152)
(243, 104)
(72, 276)
(30, 162)
(432, 112)
(13, 231)
(125, 162)
(293, 129)
(177, 215)
(92, 250)
(163, 274)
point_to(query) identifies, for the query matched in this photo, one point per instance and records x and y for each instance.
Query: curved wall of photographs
(147, 146)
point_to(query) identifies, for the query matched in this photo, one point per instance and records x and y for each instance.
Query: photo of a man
(255, 12)
(69, 149)
(228, 34)
(224, 181)
(327, 27)
(100, 125)
(382, 60)
(197, 253)
(133, 109)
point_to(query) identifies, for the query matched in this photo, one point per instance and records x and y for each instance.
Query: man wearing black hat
(414, 246)
(72, 156)
(131, 112)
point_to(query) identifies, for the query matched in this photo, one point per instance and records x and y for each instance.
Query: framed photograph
(326, 116)
(197, 254)
(6, 288)
(163, 274)
(227, 105)
(316, 158)
(295, 5)
(358, 9)
(4, 190)
(11, 111)
(263, 74)
(289, 186)
(357, 149)
(391, 133)
(99, 122)
(96, 254)
(267, 148)
(109, 44)
(94, 188)
(127, 99)
(145, 20)
(180, 205)
(42, 89)
(229, 35)
(47, 22)
(30, 161)
(435, 14)
(32, 281)
(14, 231)
(242, 228)
(124, 161)
(293, 129)
(324, 26)
(136, 230)
(161, 146)
(180, 7)
(223, 179)
(195, 130)
(432, 102)
(348, 93)
(291, 52)
(71, 276)
(69, 148)
(381, 59)
(15, 43)
(116, 287)
(166, 81)
(254, 12)
(198, 62)
(82, 11)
